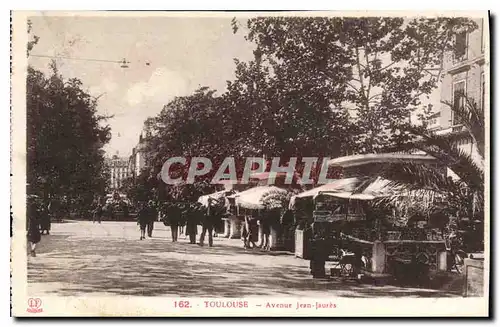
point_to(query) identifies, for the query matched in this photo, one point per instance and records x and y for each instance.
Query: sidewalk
(79, 259)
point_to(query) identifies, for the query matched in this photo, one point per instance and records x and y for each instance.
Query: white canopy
(378, 188)
(217, 195)
(349, 195)
(364, 159)
(252, 198)
(341, 185)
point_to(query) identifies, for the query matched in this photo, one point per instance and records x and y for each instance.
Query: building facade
(137, 160)
(118, 169)
(464, 71)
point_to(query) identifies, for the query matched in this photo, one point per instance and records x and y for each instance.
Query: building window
(458, 99)
(483, 90)
(460, 52)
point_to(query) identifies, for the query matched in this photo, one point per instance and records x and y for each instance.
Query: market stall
(301, 204)
(386, 248)
(249, 203)
(219, 196)
(338, 222)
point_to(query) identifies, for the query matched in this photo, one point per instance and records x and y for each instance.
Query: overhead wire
(123, 61)
(73, 58)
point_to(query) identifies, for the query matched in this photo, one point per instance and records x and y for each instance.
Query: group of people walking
(38, 220)
(258, 228)
(112, 208)
(146, 217)
(182, 218)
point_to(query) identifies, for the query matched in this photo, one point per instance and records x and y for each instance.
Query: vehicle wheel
(347, 270)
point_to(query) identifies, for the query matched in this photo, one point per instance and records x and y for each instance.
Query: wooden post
(261, 236)
(227, 227)
(275, 240)
(301, 244)
(378, 257)
(235, 227)
(442, 261)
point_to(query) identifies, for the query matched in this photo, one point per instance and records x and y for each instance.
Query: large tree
(191, 126)
(377, 67)
(293, 98)
(65, 136)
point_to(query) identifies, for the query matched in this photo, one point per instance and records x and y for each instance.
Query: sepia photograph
(250, 164)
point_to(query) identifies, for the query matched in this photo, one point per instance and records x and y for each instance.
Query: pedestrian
(192, 220)
(143, 219)
(33, 235)
(288, 228)
(152, 214)
(97, 212)
(44, 217)
(54, 208)
(249, 232)
(213, 215)
(65, 208)
(173, 216)
(185, 212)
(183, 218)
(264, 221)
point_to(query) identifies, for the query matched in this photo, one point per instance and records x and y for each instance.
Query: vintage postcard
(247, 164)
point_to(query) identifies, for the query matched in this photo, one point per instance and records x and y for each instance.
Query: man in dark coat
(153, 213)
(173, 217)
(44, 216)
(269, 218)
(212, 217)
(288, 229)
(193, 218)
(33, 226)
(143, 219)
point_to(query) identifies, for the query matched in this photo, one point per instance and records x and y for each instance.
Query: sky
(183, 54)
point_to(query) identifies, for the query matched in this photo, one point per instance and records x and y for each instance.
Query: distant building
(118, 169)
(137, 161)
(463, 73)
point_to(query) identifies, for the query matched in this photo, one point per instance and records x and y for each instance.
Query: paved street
(81, 258)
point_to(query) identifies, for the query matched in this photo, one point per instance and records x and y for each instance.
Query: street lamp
(124, 63)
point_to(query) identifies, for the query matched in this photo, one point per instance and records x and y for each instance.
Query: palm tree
(428, 188)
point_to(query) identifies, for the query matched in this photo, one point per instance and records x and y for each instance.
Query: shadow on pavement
(158, 267)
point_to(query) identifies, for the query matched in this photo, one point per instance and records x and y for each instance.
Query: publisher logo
(34, 305)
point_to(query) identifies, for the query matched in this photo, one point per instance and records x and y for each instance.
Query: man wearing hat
(152, 214)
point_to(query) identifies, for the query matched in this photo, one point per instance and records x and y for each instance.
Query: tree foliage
(463, 195)
(379, 67)
(65, 136)
(33, 38)
(316, 87)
